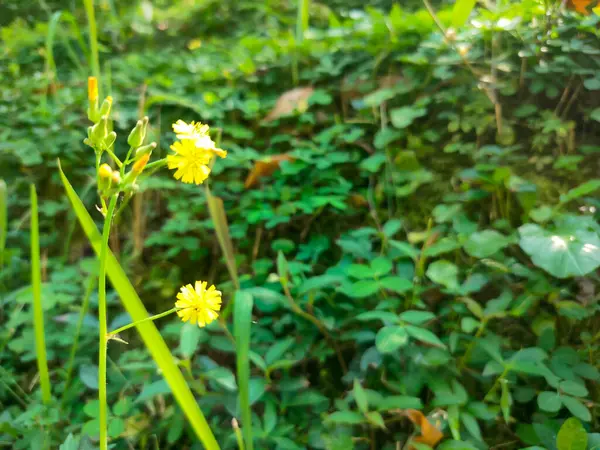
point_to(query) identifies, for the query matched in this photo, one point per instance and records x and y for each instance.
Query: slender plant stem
(91, 18)
(467, 356)
(147, 319)
(84, 308)
(38, 312)
(103, 327)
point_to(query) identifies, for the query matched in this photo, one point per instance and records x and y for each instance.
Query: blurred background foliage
(426, 188)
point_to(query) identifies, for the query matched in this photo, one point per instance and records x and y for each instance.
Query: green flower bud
(110, 139)
(136, 137)
(145, 150)
(100, 130)
(106, 105)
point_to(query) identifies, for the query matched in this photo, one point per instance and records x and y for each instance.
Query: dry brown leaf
(430, 435)
(358, 200)
(290, 101)
(265, 167)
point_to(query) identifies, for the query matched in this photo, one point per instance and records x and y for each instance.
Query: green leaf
(190, 337)
(563, 254)
(319, 282)
(461, 11)
(549, 401)
(505, 400)
(444, 245)
(375, 418)
(242, 322)
(471, 425)
(573, 388)
(360, 396)
(151, 390)
(406, 249)
(416, 317)
(396, 284)
(70, 443)
(89, 375)
(384, 316)
(362, 289)
(3, 220)
(445, 273)
(485, 243)
(571, 436)
(391, 338)
(577, 408)
(399, 402)
(583, 189)
(148, 331)
(381, 266)
(404, 116)
(424, 335)
(373, 163)
(391, 227)
(595, 114)
(345, 417)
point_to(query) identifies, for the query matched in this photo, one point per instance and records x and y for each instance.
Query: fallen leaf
(430, 435)
(581, 6)
(265, 167)
(290, 101)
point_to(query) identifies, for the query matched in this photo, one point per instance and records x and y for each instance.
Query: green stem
(467, 356)
(147, 319)
(82, 312)
(496, 383)
(103, 326)
(94, 58)
(154, 166)
(114, 157)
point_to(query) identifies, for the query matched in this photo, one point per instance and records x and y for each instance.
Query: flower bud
(105, 171)
(145, 150)
(106, 105)
(100, 130)
(116, 178)
(92, 89)
(136, 137)
(110, 139)
(139, 165)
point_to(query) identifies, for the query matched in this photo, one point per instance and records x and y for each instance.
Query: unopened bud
(110, 139)
(116, 178)
(105, 171)
(136, 137)
(92, 89)
(100, 130)
(450, 34)
(139, 165)
(106, 105)
(145, 150)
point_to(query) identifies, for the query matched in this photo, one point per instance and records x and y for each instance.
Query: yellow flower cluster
(193, 152)
(198, 304)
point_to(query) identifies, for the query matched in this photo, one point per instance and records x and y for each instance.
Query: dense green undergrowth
(417, 223)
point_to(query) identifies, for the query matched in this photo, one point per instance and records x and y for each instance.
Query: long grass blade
(93, 32)
(219, 218)
(242, 320)
(148, 331)
(38, 313)
(3, 220)
(461, 11)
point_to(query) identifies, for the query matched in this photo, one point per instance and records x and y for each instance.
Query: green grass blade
(38, 313)
(242, 320)
(302, 19)
(148, 331)
(3, 220)
(219, 218)
(94, 58)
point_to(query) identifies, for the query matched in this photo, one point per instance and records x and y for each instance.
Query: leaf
(404, 116)
(549, 401)
(583, 189)
(505, 400)
(384, 316)
(190, 337)
(148, 331)
(345, 417)
(399, 402)
(381, 266)
(416, 317)
(89, 375)
(242, 322)
(375, 419)
(581, 6)
(424, 335)
(471, 425)
(362, 289)
(563, 254)
(360, 396)
(573, 388)
(290, 101)
(406, 249)
(319, 282)
(391, 338)
(430, 435)
(485, 243)
(373, 163)
(396, 284)
(265, 167)
(151, 390)
(461, 11)
(443, 272)
(577, 408)
(70, 443)
(572, 436)
(595, 114)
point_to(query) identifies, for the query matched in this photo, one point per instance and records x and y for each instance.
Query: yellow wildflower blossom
(198, 304)
(192, 130)
(207, 144)
(190, 162)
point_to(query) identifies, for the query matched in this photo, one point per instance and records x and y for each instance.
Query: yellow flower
(190, 162)
(207, 144)
(198, 304)
(192, 130)
(92, 89)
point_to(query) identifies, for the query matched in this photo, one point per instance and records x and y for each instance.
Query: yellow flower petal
(198, 304)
